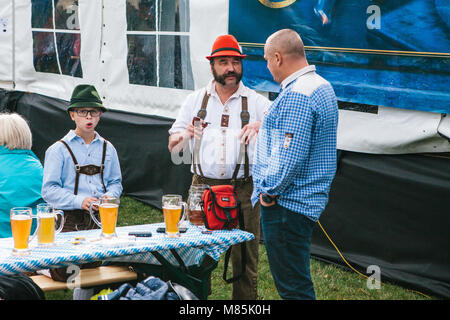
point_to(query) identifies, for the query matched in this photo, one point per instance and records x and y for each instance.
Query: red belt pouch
(221, 209)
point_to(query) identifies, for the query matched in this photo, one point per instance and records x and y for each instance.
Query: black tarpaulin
(140, 140)
(391, 211)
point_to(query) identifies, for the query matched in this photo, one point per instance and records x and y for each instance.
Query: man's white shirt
(220, 145)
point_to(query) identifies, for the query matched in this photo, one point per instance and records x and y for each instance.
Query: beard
(221, 78)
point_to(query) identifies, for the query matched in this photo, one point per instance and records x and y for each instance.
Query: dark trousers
(287, 237)
(246, 288)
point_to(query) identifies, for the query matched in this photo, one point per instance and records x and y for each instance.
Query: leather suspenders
(245, 119)
(89, 169)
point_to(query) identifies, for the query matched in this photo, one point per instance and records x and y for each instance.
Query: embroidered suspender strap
(102, 166)
(245, 119)
(197, 142)
(77, 167)
(202, 112)
(88, 169)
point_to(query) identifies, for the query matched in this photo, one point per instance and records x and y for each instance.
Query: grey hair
(14, 132)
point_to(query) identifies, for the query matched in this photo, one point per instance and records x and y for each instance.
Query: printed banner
(375, 52)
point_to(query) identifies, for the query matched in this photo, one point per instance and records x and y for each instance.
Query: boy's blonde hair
(14, 132)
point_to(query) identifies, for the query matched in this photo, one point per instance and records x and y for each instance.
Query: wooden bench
(88, 278)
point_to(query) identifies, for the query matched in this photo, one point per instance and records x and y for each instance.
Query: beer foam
(20, 217)
(171, 206)
(46, 215)
(109, 205)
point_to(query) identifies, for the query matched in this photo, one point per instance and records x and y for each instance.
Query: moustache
(221, 78)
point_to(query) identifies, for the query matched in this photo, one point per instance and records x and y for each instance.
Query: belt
(235, 182)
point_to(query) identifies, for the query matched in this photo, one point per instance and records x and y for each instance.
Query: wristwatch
(267, 199)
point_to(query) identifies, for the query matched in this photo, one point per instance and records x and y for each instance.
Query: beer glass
(174, 210)
(195, 208)
(47, 220)
(108, 207)
(21, 220)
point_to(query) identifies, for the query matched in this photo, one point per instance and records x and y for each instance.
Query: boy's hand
(87, 203)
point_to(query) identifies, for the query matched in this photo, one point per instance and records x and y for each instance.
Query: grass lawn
(330, 282)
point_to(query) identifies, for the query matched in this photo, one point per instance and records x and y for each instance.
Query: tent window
(56, 37)
(158, 43)
(142, 59)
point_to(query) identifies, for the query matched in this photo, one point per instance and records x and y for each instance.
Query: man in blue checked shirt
(295, 162)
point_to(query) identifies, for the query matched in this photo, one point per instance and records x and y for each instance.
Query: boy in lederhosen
(81, 167)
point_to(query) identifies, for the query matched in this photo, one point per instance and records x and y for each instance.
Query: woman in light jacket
(20, 169)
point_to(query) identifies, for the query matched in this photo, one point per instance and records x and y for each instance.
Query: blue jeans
(287, 237)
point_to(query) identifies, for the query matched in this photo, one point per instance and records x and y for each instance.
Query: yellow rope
(349, 265)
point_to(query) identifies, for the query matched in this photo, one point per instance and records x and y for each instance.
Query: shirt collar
(72, 135)
(297, 74)
(241, 91)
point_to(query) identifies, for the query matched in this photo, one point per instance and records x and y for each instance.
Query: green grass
(330, 282)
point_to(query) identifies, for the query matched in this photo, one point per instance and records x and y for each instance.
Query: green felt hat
(85, 95)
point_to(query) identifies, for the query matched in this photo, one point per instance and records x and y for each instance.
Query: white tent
(103, 29)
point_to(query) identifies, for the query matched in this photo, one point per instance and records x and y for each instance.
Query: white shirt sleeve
(185, 115)
(262, 105)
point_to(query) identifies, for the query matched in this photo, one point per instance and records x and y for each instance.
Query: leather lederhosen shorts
(75, 220)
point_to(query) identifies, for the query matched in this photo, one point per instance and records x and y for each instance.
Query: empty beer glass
(21, 220)
(195, 207)
(108, 207)
(47, 221)
(174, 210)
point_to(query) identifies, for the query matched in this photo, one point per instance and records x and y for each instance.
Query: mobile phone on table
(162, 230)
(140, 233)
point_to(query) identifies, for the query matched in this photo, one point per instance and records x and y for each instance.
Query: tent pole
(13, 13)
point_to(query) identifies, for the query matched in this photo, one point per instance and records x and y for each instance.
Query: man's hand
(197, 129)
(265, 204)
(249, 131)
(174, 140)
(178, 141)
(87, 203)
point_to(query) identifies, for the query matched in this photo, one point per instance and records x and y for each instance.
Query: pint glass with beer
(21, 220)
(195, 208)
(174, 210)
(47, 220)
(108, 207)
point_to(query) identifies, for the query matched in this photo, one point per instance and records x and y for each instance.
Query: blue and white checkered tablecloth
(191, 246)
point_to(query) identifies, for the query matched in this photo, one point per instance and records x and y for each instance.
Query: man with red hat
(220, 122)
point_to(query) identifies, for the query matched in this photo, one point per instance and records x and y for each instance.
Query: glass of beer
(174, 210)
(108, 207)
(47, 220)
(195, 207)
(21, 220)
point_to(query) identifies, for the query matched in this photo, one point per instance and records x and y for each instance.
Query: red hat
(226, 45)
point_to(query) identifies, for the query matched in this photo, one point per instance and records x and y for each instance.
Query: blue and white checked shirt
(296, 149)
(59, 172)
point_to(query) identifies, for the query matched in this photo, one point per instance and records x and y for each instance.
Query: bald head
(284, 53)
(287, 42)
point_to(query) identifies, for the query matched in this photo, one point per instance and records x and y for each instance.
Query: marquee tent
(389, 65)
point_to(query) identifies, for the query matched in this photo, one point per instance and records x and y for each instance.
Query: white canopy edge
(104, 56)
